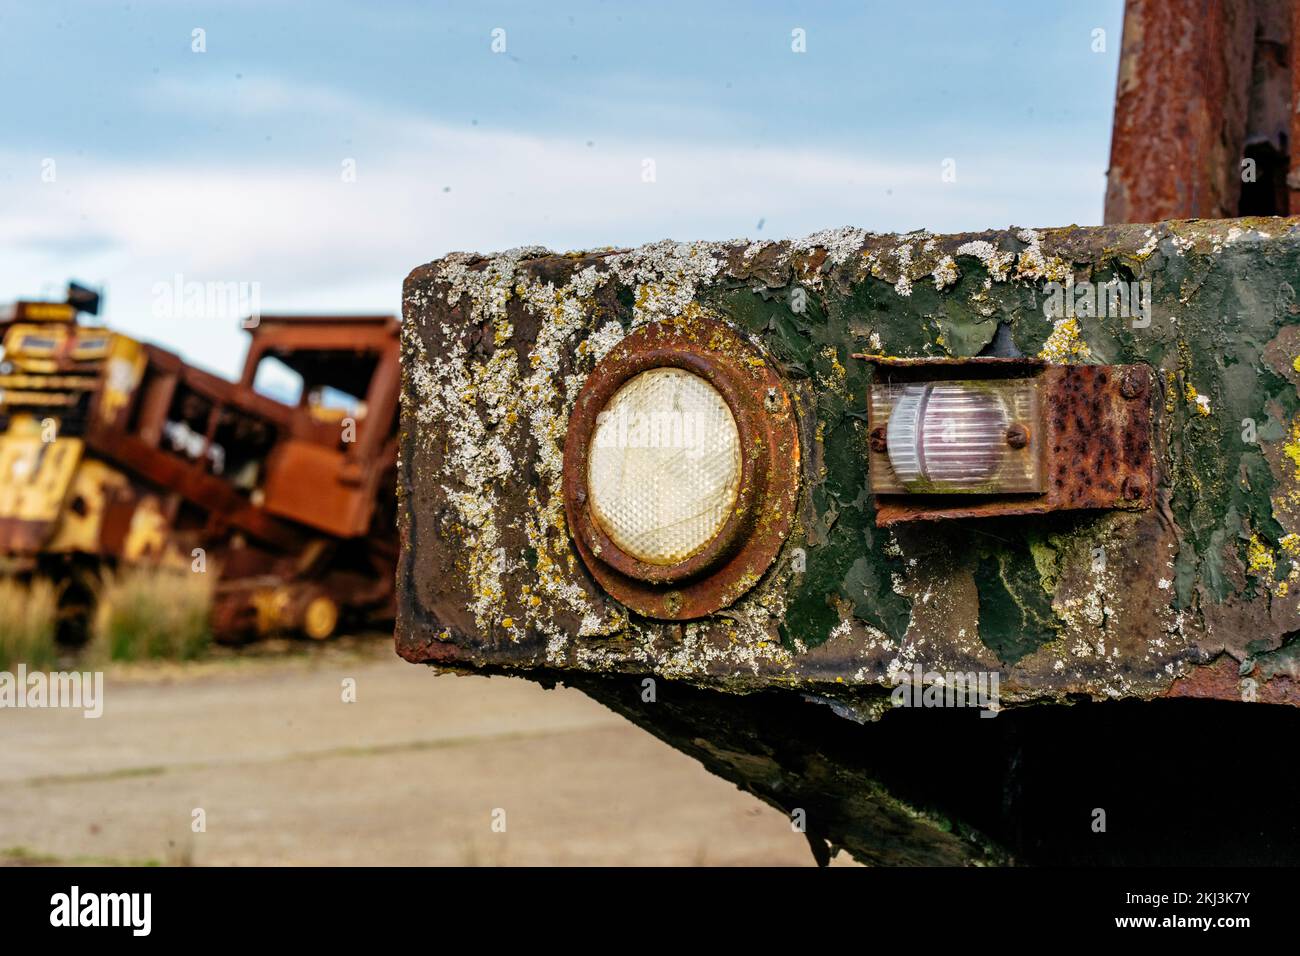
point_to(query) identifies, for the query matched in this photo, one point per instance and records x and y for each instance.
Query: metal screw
(1133, 384)
(673, 602)
(1017, 436)
(1133, 488)
(581, 496)
(879, 444)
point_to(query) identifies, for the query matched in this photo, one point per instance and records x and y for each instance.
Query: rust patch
(1222, 680)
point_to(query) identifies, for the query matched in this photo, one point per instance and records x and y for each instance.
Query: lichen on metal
(1102, 605)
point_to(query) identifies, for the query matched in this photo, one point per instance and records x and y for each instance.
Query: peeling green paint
(1015, 614)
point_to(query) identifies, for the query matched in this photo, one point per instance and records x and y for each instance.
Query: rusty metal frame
(732, 562)
(1095, 438)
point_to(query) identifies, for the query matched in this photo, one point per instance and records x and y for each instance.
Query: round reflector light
(681, 468)
(664, 466)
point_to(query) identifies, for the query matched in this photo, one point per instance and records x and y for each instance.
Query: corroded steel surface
(1061, 606)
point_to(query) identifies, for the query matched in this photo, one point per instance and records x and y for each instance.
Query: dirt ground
(415, 771)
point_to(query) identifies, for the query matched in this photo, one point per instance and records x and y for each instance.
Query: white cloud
(314, 242)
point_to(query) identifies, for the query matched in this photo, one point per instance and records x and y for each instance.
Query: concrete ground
(415, 771)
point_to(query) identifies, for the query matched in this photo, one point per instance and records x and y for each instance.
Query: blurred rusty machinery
(116, 453)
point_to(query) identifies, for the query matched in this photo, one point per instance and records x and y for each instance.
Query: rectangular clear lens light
(979, 436)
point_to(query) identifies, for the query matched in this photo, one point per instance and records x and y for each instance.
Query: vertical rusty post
(1181, 109)
(1293, 173)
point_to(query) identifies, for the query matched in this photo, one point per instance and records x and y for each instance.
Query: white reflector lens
(972, 436)
(664, 466)
(947, 434)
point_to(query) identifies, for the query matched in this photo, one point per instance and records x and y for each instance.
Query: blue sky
(127, 159)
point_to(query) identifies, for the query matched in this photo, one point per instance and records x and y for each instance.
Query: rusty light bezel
(742, 550)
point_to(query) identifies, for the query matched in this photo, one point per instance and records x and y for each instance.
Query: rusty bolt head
(1017, 436)
(1133, 384)
(878, 442)
(1133, 488)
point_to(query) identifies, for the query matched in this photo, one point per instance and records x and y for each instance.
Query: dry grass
(28, 615)
(152, 614)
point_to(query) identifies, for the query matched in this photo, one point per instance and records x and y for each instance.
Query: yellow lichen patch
(690, 312)
(501, 332)
(1295, 363)
(837, 376)
(1290, 545)
(1292, 448)
(1260, 558)
(1199, 402)
(1065, 344)
(1261, 561)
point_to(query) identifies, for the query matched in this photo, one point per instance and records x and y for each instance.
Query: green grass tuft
(153, 614)
(28, 614)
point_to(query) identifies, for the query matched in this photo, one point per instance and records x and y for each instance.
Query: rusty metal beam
(1186, 611)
